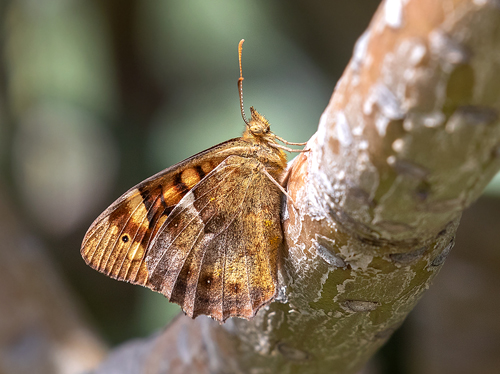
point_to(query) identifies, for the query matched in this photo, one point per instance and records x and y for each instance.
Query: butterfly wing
(216, 253)
(205, 233)
(117, 242)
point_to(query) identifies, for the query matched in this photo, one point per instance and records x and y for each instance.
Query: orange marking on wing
(190, 177)
(171, 195)
(206, 167)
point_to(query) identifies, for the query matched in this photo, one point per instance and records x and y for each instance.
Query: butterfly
(206, 232)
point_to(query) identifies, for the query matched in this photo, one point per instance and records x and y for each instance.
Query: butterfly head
(259, 128)
(258, 124)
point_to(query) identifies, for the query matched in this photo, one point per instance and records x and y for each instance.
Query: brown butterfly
(205, 232)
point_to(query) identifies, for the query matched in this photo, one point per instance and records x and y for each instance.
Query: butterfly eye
(125, 238)
(256, 130)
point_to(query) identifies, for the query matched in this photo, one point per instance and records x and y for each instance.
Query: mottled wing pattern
(198, 259)
(117, 242)
(204, 232)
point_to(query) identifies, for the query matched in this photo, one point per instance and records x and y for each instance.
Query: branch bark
(410, 138)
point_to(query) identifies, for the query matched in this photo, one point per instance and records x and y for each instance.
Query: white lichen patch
(369, 179)
(363, 145)
(281, 295)
(322, 131)
(260, 335)
(343, 130)
(340, 175)
(374, 287)
(391, 160)
(354, 258)
(417, 53)
(433, 119)
(381, 124)
(360, 51)
(408, 124)
(388, 104)
(322, 166)
(394, 284)
(341, 288)
(294, 230)
(398, 145)
(357, 131)
(393, 13)
(449, 52)
(322, 282)
(337, 314)
(411, 54)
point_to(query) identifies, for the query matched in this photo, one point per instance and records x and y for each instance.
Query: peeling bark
(410, 138)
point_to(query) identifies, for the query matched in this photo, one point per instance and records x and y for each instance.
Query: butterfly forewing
(118, 240)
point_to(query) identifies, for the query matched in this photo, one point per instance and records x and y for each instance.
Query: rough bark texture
(409, 139)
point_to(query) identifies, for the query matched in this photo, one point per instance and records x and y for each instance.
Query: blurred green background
(95, 96)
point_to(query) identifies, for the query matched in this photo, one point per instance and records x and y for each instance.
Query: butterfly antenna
(240, 83)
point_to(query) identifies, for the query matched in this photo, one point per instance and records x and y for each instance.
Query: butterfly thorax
(259, 134)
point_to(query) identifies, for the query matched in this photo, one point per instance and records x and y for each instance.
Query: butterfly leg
(288, 149)
(287, 142)
(266, 173)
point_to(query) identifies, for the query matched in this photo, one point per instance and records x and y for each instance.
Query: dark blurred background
(95, 96)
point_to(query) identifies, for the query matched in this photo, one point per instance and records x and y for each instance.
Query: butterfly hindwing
(198, 258)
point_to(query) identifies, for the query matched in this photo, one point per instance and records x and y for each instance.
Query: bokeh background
(95, 96)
